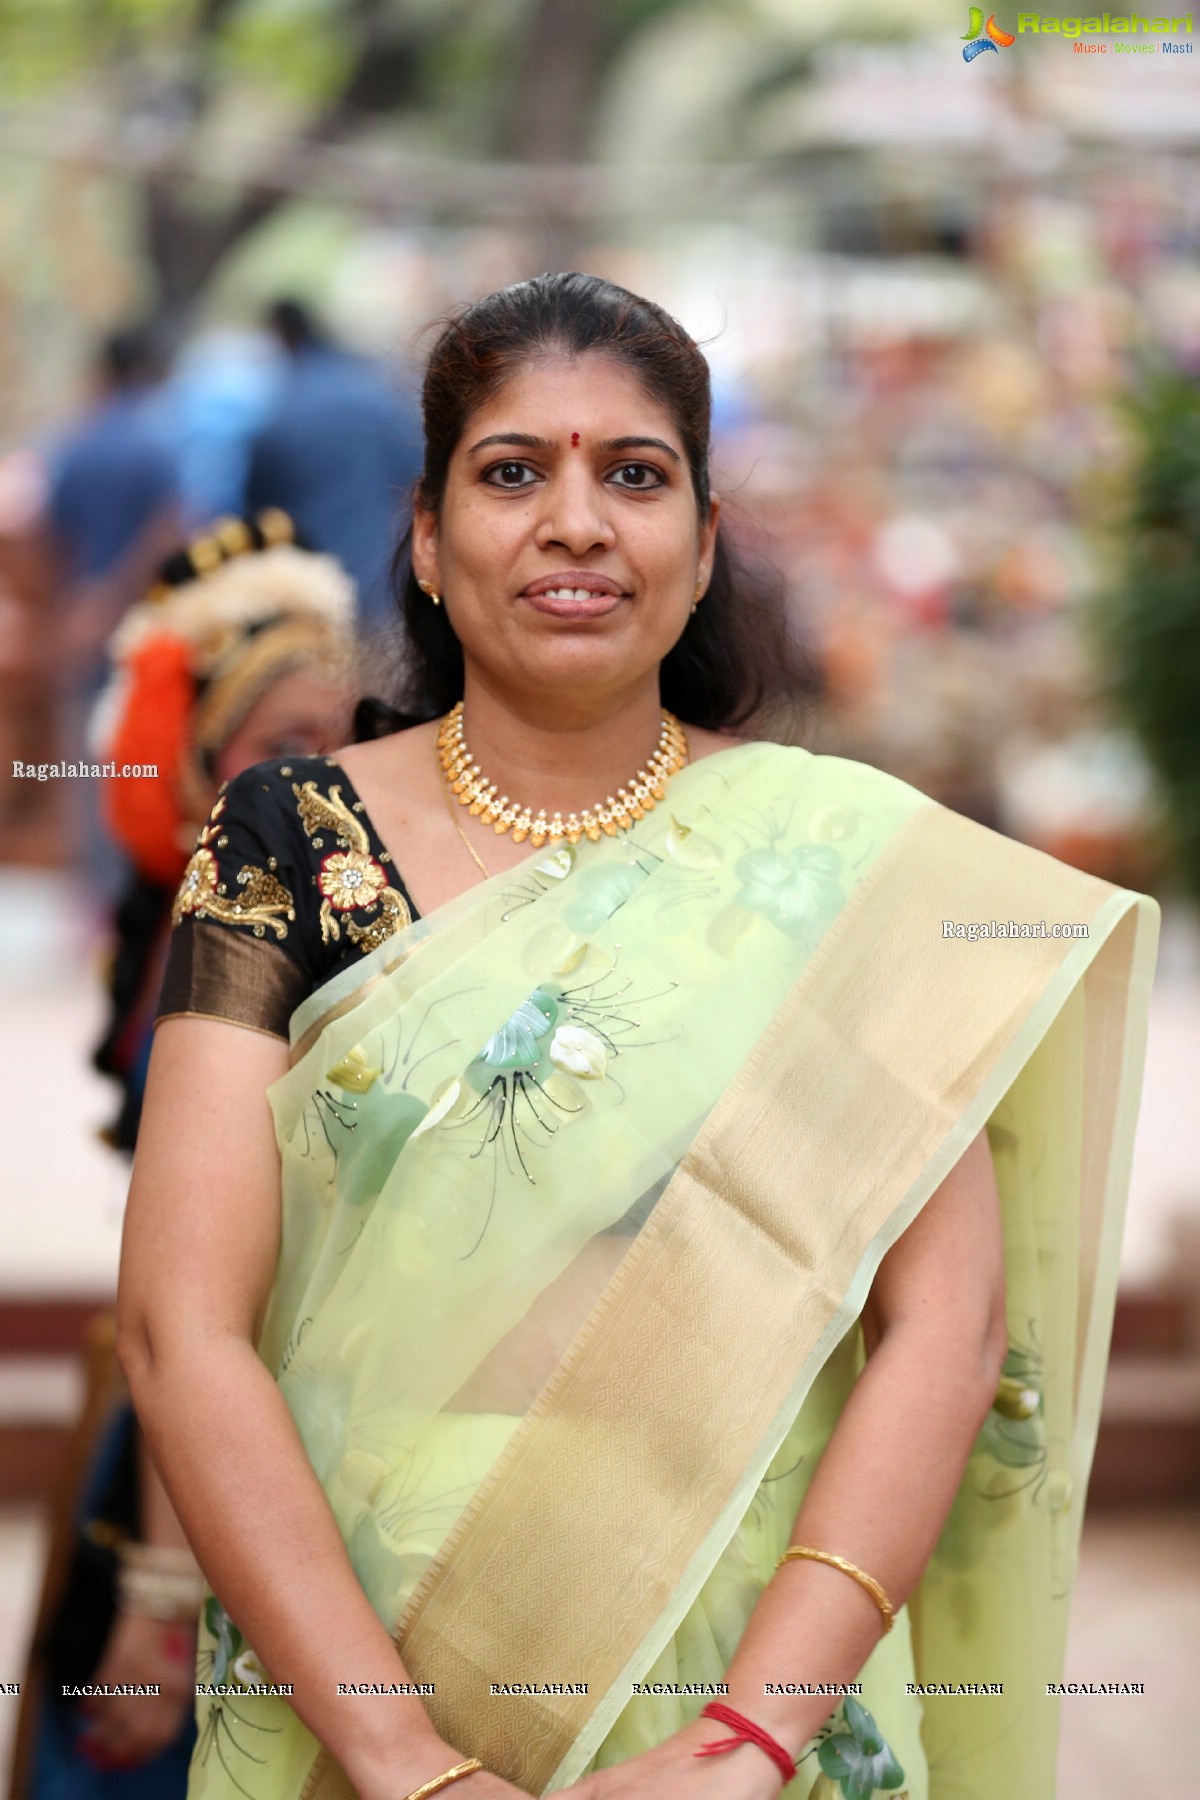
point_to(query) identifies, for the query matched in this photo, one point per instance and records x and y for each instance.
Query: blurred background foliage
(217, 110)
(1151, 621)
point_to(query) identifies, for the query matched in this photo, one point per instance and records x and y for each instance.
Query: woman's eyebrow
(522, 439)
(639, 443)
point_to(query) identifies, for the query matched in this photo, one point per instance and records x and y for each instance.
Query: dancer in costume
(243, 650)
(618, 1293)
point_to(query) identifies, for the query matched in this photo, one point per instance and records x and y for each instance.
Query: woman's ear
(425, 546)
(708, 541)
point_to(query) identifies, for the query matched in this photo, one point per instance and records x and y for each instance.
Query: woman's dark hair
(736, 652)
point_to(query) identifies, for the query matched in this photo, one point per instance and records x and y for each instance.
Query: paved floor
(22, 1545)
(60, 1231)
(1136, 1618)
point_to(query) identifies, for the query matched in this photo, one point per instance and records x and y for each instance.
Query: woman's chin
(565, 675)
(565, 659)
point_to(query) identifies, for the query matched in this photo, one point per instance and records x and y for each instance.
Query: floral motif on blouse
(262, 902)
(350, 879)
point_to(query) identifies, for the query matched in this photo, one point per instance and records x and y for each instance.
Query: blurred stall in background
(953, 312)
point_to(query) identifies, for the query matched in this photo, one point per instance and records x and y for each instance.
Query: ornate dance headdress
(231, 613)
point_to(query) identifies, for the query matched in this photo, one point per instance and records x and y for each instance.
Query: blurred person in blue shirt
(221, 392)
(112, 513)
(114, 476)
(339, 453)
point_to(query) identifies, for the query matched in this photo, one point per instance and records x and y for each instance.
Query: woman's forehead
(555, 396)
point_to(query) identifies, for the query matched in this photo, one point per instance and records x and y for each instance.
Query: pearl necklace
(617, 813)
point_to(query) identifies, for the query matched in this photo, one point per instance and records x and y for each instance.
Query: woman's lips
(578, 604)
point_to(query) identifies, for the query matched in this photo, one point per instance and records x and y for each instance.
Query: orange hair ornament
(144, 813)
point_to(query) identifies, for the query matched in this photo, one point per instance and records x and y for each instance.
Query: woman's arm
(201, 1241)
(936, 1339)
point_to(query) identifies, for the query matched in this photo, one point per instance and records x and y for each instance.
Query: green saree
(585, 1181)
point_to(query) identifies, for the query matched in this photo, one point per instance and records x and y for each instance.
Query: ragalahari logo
(992, 39)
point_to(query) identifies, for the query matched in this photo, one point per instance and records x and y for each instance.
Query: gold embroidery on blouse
(395, 916)
(199, 884)
(350, 879)
(209, 831)
(259, 903)
(321, 812)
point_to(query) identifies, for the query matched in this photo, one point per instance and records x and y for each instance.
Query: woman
(648, 1189)
(243, 651)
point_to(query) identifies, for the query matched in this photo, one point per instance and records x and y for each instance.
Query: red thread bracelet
(747, 1733)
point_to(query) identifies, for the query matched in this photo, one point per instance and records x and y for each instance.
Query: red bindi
(575, 440)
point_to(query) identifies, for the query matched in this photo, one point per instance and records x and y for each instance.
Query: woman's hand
(125, 1730)
(486, 1786)
(433, 1757)
(673, 1771)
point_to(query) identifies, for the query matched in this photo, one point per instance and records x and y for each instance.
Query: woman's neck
(560, 753)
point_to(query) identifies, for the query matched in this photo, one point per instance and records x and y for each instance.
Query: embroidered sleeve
(238, 950)
(349, 879)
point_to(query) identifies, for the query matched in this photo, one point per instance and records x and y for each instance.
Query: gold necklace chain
(471, 850)
(632, 801)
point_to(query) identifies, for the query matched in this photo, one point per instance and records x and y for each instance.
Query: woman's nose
(574, 513)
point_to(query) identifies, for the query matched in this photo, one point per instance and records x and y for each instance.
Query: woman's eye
(510, 475)
(637, 475)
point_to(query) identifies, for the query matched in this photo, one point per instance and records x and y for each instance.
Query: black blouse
(289, 882)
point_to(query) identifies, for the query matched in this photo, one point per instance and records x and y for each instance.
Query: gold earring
(697, 594)
(427, 588)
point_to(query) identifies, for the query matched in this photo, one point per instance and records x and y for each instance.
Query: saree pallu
(586, 1178)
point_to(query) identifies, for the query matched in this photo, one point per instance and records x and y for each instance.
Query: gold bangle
(868, 1582)
(470, 1767)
